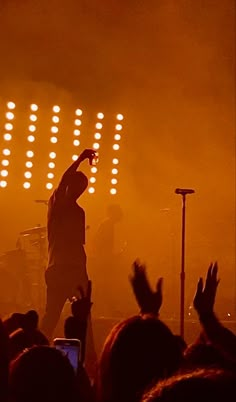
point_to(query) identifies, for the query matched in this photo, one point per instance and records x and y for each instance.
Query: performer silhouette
(66, 238)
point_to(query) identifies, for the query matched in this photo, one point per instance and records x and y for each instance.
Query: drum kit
(22, 271)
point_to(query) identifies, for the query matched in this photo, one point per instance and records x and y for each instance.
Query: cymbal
(35, 230)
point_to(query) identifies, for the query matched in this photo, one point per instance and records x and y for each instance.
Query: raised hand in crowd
(81, 306)
(148, 300)
(220, 336)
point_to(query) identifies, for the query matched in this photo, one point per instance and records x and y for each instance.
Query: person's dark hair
(30, 320)
(137, 352)
(41, 374)
(203, 355)
(203, 385)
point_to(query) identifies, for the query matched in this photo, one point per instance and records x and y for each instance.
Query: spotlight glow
(114, 171)
(32, 128)
(78, 122)
(50, 175)
(78, 112)
(7, 137)
(114, 181)
(9, 126)
(96, 145)
(6, 152)
(26, 185)
(74, 157)
(10, 116)
(97, 136)
(55, 119)
(29, 164)
(92, 179)
(53, 140)
(11, 105)
(34, 107)
(94, 169)
(28, 175)
(4, 173)
(54, 129)
(56, 109)
(52, 155)
(119, 116)
(117, 137)
(33, 117)
(49, 186)
(31, 138)
(51, 165)
(76, 143)
(91, 190)
(116, 147)
(30, 154)
(113, 191)
(77, 132)
(98, 126)
(100, 116)
(115, 161)
(5, 162)
(118, 127)
(3, 183)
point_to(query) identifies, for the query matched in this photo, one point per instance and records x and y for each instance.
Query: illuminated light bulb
(32, 128)
(98, 126)
(52, 155)
(33, 117)
(34, 107)
(3, 183)
(117, 137)
(56, 109)
(116, 147)
(76, 143)
(5, 162)
(114, 181)
(4, 173)
(76, 132)
(119, 116)
(31, 138)
(94, 169)
(54, 129)
(49, 186)
(78, 112)
(113, 191)
(26, 185)
(55, 119)
(11, 105)
(6, 152)
(114, 171)
(29, 164)
(53, 140)
(30, 154)
(91, 190)
(51, 165)
(100, 116)
(92, 179)
(118, 127)
(10, 116)
(7, 137)
(78, 122)
(115, 161)
(28, 175)
(9, 126)
(96, 145)
(50, 175)
(97, 136)
(74, 157)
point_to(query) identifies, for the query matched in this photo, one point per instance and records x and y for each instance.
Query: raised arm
(86, 154)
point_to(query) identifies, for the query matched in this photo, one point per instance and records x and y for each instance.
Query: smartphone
(70, 348)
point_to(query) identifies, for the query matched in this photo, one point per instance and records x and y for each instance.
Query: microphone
(184, 191)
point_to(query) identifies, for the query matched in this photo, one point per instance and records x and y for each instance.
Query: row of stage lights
(55, 120)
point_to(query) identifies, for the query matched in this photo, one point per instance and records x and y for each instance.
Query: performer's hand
(89, 154)
(148, 301)
(80, 307)
(204, 299)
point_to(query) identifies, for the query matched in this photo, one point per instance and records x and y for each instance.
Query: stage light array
(115, 160)
(7, 138)
(96, 146)
(53, 140)
(12, 137)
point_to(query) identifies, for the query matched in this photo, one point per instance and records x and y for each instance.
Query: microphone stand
(183, 193)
